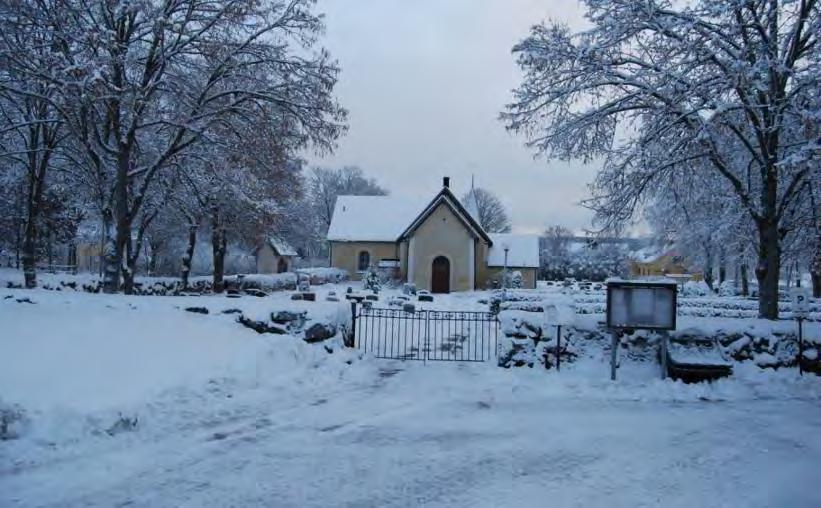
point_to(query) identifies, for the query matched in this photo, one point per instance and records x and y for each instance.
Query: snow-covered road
(446, 435)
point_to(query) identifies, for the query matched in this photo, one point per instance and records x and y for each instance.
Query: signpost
(558, 311)
(642, 305)
(800, 298)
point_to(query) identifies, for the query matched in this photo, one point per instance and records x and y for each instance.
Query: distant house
(438, 245)
(275, 255)
(650, 263)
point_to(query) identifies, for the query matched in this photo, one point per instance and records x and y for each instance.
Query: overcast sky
(424, 82)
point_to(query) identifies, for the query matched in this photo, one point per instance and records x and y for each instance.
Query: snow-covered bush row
(165, 286)
(263, 282)
(767, 344)
(765, 347)
(724, 307)
(311, 321)
(524, 341)
(145, 286)
(325, 275)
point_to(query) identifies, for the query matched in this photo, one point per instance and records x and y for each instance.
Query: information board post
(663, 350)
(800, 347)
(614, 353)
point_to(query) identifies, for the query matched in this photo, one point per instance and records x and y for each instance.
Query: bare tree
(144, 83)
(557, 240)
(32, 129)
(653, 86)
(325, 185)
(492, 214)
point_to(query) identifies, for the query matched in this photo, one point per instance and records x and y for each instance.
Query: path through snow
(442, 436)
(228, 417)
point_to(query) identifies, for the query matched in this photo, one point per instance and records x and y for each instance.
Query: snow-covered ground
(228, 417)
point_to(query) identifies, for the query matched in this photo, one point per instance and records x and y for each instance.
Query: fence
(426, 335)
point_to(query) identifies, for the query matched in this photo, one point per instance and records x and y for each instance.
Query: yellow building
(439, 246)
(669, 263)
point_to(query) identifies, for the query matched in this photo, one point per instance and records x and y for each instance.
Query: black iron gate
(434, 335)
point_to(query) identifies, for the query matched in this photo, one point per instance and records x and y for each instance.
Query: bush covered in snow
(168, 286)
(262, 282)
(513, 279)
(325, 275)
(695, 288)
(311, 321)
(12, 420)
(372, 281)
(526, 342)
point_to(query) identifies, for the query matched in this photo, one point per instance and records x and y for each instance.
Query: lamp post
(506, 247)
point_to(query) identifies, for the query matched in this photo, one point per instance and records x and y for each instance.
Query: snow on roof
(281, 247)
(523, 250)
(372, 218)
(646, 254)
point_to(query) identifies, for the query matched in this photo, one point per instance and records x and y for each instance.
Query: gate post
(426, 348)
(351, 341)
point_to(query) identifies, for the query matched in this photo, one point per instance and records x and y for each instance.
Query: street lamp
(506, 247)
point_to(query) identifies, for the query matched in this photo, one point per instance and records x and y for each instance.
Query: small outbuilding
(275, 255)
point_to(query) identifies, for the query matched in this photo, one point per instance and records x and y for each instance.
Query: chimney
(446, 181)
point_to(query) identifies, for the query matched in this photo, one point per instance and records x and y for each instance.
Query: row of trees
(563, 255)
(708, 113)
(147, 115)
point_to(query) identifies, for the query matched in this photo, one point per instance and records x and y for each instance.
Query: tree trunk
(72, 256)
(189, 253)
(18, 244)
(50, 251)
(19, 229)
(153, 257)
(745, 279)
(218, 247)
(111, 261)
(30, 251)
(122, 240)
(815, 272)
(722, 267)
(708, 268)
(768, 269)
(33, 199)
(129, 269)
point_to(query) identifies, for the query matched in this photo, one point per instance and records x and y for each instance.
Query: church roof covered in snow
(523, 250)
(372, 218)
